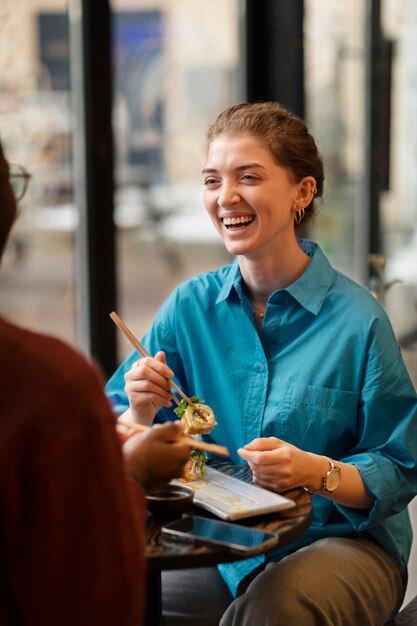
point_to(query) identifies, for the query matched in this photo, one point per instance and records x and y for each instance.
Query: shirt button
(274, 325)
(260, 367)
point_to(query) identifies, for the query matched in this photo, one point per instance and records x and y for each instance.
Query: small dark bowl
(169, 500)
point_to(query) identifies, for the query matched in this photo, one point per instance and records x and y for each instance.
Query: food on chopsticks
(198, 418)
(195, 422)
(200, 421)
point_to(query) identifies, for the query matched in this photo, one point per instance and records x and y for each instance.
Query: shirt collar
(310, 289)
(233, 280)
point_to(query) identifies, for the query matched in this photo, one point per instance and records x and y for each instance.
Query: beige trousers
(332, 582)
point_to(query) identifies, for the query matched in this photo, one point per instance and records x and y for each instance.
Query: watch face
(332, 480)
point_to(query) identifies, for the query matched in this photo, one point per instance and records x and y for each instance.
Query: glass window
(336, 50)
(335, 101)
(399, 202)
(176, 64)
(176, 67)
(36, 278)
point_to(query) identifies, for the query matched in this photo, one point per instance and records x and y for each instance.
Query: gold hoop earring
(299, 215)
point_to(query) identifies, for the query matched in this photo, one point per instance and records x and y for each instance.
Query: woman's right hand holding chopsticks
(148, 388)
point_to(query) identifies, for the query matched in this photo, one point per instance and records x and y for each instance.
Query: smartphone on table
(233, 536)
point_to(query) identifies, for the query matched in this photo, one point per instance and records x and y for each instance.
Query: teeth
(232, 221)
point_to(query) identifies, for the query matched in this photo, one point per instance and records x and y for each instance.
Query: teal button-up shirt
(325, 374)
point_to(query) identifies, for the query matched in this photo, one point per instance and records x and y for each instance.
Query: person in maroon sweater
(72, 517)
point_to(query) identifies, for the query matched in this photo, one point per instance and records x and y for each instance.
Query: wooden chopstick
(143, 352)
(139, 347)
(194, 443)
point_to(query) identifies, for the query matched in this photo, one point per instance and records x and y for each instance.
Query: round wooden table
(165, 553)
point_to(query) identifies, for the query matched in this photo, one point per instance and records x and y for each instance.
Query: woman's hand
(148, 388)
(279, 466)
(157, 455)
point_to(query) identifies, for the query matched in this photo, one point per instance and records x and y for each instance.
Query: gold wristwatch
(331, 479)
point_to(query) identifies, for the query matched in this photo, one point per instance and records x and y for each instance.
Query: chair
(407, 616)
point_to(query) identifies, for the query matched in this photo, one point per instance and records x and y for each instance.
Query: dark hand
(156, 456)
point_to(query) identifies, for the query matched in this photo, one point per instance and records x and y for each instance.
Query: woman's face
(250, 199)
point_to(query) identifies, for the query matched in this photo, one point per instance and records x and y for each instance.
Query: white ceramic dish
(232, 499)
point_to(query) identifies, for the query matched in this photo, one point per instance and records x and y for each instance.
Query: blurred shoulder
(46, 357)
(361, 311)
(356, 294)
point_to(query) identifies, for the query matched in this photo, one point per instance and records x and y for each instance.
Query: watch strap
(323, 487)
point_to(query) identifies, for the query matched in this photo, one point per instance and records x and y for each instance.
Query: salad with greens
(197, 420)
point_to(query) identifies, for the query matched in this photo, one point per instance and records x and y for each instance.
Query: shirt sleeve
(386, 453)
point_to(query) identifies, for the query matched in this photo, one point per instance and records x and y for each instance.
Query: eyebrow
(245, 166)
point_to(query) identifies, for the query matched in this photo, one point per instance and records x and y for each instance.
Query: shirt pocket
(320, 419)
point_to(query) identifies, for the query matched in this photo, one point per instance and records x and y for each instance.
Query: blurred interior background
(106, 105)
(348, 68)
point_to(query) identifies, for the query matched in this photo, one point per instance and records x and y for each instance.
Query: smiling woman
(253, 200)
(284, 347)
